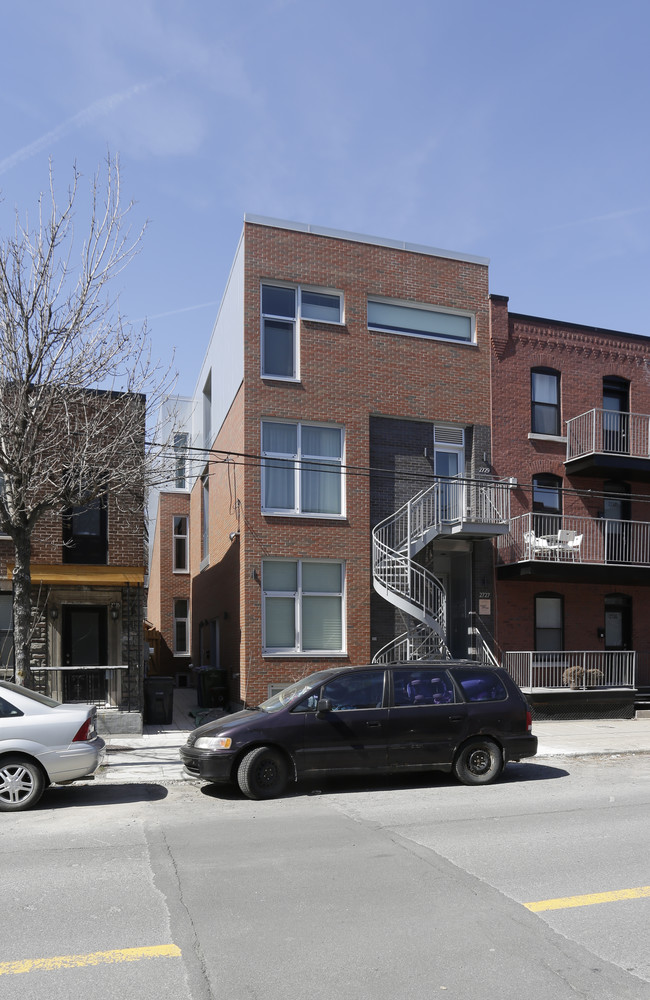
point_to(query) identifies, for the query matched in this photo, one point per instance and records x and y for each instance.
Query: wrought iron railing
(105, 687)
(608, 432)
(572, 670)
(563, 538)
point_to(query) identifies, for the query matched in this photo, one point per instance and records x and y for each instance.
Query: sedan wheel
(262, 773)
(478, 762)
(21, 784)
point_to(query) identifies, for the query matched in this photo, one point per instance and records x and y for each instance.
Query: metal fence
(105, 687)
(608, 432)
(562, 538)
(574, 670)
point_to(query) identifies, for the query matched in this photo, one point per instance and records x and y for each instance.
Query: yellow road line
(588, 900)
(94, 958)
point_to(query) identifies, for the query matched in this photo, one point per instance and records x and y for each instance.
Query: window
(480, 685)
(205, 518)
(415, 686)
(180, 460)
(355, 691)
(207, 412)
(85, 533)
(545, 401)
(282, 308)
(303, 606)
(420, 321)
(302, 469)
(181, 539)
(181, 627)
(549, 622)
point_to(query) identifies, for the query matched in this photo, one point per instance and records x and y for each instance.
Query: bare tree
(76, 382)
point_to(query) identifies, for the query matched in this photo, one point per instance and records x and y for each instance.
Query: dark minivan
(450, 716)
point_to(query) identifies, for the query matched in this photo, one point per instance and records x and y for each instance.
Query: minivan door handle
(456, 718)
(373, 725)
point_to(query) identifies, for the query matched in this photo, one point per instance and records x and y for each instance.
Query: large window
(419, 321)
(549, 622)
(303, 606)
(181, 547)
(282, 308)
(85, 533)
(181, 627)
(545, 401)
(302, 469)
(180, 460)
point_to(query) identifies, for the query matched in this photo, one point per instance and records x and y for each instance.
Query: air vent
(449, 435)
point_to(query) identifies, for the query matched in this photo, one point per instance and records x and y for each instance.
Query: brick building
(88, 575)
(570, 422)
(342, 504)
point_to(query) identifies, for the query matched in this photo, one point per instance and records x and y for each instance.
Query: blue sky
(514, 130)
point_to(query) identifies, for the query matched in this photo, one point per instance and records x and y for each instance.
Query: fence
(105, 687)
(575, 670)
(561, 538)
(608, 432)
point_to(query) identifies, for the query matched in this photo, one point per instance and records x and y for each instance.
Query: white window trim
(425, 307)
(175, 538)
(296, 650)
(298, 461)
(296, 320)
(186, 651)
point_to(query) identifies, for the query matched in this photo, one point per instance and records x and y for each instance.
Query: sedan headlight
(213, 743)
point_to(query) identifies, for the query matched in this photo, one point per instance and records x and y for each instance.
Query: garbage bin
(158, 700)
(212, 688)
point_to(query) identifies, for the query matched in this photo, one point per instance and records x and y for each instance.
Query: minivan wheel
(478, 762)
(21, 784)
(262, 773)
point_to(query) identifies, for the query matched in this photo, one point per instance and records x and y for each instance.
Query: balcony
(605, 442)
(581, 670)
(553, 546)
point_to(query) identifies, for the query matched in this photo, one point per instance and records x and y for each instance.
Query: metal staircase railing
(416, 592)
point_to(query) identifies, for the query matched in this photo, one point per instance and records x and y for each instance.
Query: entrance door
(616, 418)
(617, 511)
(84, 645)
(618, 621)
(449, 464)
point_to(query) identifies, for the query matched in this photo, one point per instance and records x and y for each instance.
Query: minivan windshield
(290, 695)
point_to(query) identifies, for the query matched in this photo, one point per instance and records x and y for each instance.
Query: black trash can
(212, 688)
(158, 700)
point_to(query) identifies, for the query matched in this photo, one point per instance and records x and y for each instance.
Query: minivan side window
(480, 685)
(354, 691)
(422, 687)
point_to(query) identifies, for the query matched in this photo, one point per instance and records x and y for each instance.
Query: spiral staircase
(453, 507)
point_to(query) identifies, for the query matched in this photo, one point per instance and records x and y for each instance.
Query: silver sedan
(42, 741)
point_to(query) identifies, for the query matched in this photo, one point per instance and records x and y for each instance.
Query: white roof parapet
(340, 234)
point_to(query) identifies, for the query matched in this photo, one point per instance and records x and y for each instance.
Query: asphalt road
(360, 889)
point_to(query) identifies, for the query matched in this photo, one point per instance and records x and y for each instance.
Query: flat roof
(379, 241)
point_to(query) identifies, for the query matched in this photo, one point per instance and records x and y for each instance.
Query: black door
(425, 722)
(616, 418)
(618, 621)
(351, 735)
(84, 645)
(617, 512)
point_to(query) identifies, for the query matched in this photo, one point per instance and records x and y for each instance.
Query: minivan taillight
(83, 733)
(529, 722)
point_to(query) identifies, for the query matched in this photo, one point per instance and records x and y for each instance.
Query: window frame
(179, 536)
(423, 307)
(177, 620)
(300, 460)
(181, 445)
(294, 321)
(546, 595)
(298, 648)
(205, 519)
(556, 407)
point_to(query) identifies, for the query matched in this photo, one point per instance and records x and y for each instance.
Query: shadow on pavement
(64, 796)
(342, 785)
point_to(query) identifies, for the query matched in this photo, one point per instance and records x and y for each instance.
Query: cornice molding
(591, 345)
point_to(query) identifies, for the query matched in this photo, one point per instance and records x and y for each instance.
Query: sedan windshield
(290, 695)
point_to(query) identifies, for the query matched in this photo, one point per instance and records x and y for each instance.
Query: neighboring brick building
(88, 575)
(345, 375)
(570, 422)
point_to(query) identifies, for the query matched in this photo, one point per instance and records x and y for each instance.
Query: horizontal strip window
(420, 321)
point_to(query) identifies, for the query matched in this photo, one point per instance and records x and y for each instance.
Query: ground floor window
(303, 606)
(549, 622)
(181, 627)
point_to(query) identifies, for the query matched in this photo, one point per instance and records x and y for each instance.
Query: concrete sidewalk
(154, 755)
